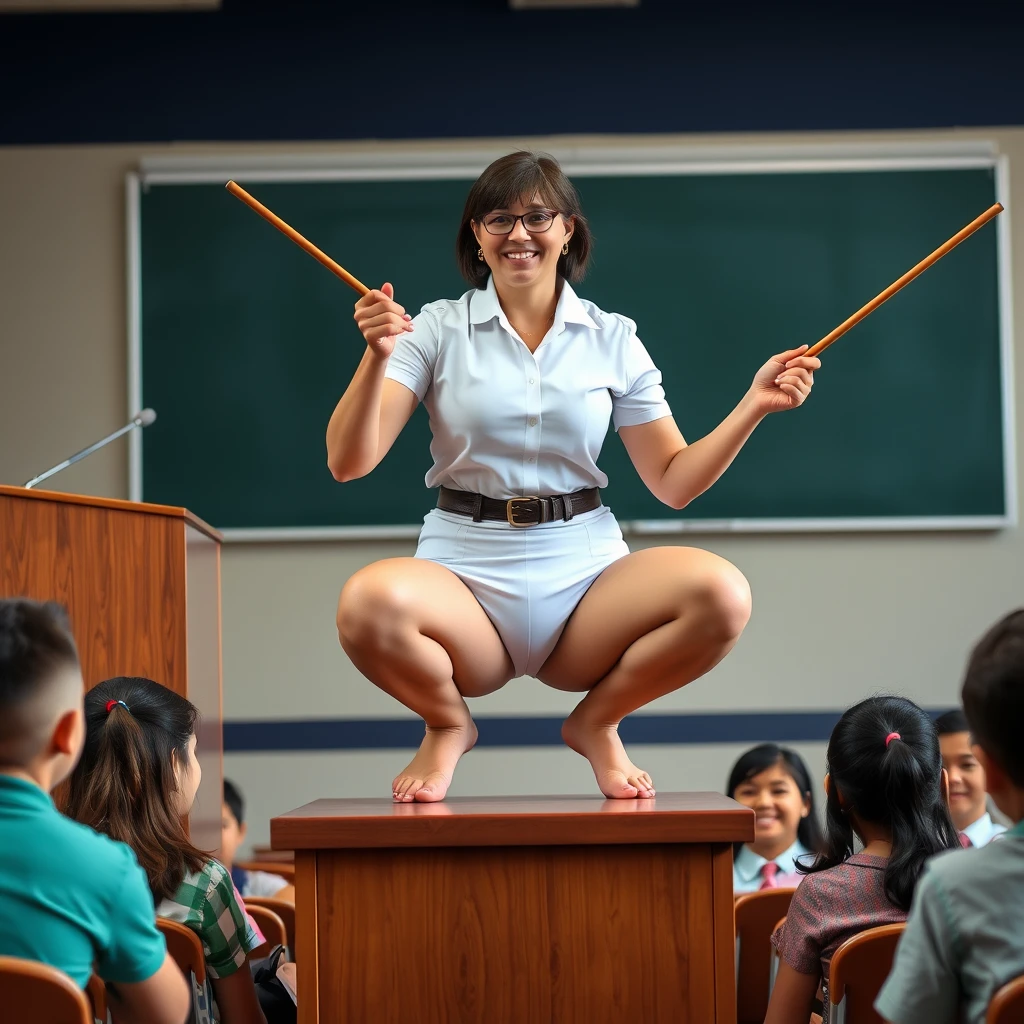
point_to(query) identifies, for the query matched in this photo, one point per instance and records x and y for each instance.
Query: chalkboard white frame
(580, 159)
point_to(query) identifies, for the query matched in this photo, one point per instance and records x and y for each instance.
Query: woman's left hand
(784, 381)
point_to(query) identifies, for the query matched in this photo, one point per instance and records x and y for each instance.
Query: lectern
(141, 584)
(541, 910)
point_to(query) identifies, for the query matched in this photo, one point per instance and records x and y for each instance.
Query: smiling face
(779, 807)
(966, 779)
(527, 255)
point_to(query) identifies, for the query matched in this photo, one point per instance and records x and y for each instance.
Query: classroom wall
(836, 617)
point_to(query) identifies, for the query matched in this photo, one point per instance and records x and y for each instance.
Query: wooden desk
(516, 910)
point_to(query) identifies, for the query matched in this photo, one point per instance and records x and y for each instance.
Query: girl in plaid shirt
(886, 786)
(136, 782)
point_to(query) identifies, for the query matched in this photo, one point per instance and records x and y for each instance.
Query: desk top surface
(513, 821)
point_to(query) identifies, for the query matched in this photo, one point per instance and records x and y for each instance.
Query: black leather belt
(528, 510)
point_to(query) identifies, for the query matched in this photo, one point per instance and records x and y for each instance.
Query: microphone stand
(141, 419)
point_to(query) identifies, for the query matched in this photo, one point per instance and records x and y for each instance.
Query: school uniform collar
(983, 830)
(979, 830)
(21, 794)
(484, 307)
(749, 864)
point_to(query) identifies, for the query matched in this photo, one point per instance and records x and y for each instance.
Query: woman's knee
(723, 594)
(370, 609)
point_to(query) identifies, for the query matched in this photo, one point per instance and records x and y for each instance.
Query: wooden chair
(186, 951)
(283, 909)
(272, 927)
(1007, 1005)
(284, 869)
(857, 972)
(31, 991)
(96, 992)
(757, 914)
(774, 965)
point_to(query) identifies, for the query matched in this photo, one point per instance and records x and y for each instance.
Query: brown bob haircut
(519, 177)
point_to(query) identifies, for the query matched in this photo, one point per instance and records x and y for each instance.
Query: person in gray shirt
(964, 939)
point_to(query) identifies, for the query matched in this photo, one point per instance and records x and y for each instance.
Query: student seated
(967, 784)
(232, 834)
(886, 786)
(965, 937)
(774, 782)
(136, 782)
(68, 897)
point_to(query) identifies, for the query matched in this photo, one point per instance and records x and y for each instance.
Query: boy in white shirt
(967, 784)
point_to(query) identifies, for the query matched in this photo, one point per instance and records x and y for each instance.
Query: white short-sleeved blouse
(506, 421)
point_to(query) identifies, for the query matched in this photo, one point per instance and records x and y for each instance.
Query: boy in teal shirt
(68, 897)
(964, 939)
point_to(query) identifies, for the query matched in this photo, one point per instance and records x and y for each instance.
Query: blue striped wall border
(322, 734)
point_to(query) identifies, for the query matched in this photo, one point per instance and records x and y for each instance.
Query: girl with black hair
(885, 786)
(774, 782)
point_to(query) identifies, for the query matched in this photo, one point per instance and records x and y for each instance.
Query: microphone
(140, 419)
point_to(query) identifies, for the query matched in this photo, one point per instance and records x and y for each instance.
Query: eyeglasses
(536, 222)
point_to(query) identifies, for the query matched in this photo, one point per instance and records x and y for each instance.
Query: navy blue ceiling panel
(294, 69)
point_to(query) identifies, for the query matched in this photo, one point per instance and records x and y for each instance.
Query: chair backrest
(272, 927)
(283, 909)
(857, 972)
(31, 991)
(1007, 1005)
(96, 992)
(757, 913)
(272, 867)
(185, 948)
(773, 968)
(186, 951)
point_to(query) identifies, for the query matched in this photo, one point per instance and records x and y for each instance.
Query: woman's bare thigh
(634, 596)
(417, 594)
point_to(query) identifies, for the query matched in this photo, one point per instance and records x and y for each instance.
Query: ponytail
(911, 797)
(125, 784)
(885, 770)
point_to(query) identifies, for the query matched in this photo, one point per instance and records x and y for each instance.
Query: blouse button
(532, 459)
(533, 421)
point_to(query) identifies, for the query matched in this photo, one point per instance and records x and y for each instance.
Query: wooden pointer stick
(287, 229)
(992, 211)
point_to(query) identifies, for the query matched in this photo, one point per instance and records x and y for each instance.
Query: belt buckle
(510, 511)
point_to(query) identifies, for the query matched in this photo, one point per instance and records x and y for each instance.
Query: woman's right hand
(381, 320)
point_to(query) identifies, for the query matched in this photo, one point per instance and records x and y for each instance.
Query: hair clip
(892, 736)
(111, 704)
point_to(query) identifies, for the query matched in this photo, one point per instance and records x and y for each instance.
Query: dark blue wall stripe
(312, 69)
(389, 733)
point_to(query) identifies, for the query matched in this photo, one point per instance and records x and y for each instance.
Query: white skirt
(528, 580)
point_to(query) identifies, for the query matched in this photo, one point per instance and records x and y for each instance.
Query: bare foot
(617, 776)
(429, 773)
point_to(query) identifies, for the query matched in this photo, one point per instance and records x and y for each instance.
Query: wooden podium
(540, 910)
(141, 584)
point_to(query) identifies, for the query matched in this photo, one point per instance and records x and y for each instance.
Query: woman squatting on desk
(520, 377)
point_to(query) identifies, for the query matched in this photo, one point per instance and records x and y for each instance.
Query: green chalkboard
(247, 343)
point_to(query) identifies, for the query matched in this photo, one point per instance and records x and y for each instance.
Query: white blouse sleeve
(643, 398)
(412, 361)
